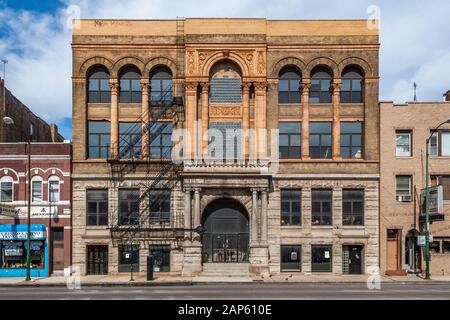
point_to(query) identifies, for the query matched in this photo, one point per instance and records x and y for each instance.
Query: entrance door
(355, 260)
(58, 249)
(97, 261)
(393, 249)
(413, 254)
(227, 236)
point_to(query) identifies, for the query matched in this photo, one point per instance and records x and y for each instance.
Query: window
(403, 188)
(289, 86)
(13, 254)
(160, 205)
(320, 91)
(446, 245)
(33, 133)
(99, 89)
(435, 246)
(128, 257)
(351, 140)
(321, 258)
(36, 189)
(291, 258)
(353, 207)
(291, 207)
(161, 140)
(226, 84)
(130, 86)
(322, 207)
(99, 139)
(6, 189)
(161, 258)
(290, 140)
(130, 138)
(161, 86)
(225, 141)
(443, 181)
(129, 206)
(97, 207)
(440, 144)
(53, 189)
(403, 143)
(320, 140)
(352, 85)
(440, 245)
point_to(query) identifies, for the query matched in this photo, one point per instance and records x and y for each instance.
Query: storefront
(13, 250)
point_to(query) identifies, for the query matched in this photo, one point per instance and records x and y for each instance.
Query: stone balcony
(234, 166)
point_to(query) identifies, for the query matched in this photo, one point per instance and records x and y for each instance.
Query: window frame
(51, 191)
(439, 144)
(135, 96)
(409, 133)
(352, 214)
(293, 96)
(351, 135)
(314, 194)
(290, 197)
(352, 70)
(160, 138)
(324, 247)
(290, 148)
(321, 135)
(323, 96)
(160, 216)
(283, 267)
(410, 179)
(437, 182)
(156, 77)
(34, 180)
(127, 137)
(99, 147)
(6, 180)
(98, 80)
(132, 218)
(97, 213)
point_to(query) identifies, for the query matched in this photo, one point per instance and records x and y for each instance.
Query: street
(304, 291)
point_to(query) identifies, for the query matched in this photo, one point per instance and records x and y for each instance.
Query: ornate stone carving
(190, 62)
(224, 111)
(191, 86)
(260, 86)
(246, 86)
(261, 63)
(114, 86)
(205, 86)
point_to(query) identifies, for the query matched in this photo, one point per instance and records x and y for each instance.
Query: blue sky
(35, 38)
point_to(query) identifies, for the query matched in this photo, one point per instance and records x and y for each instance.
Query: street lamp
(427, 201)
(9, 121)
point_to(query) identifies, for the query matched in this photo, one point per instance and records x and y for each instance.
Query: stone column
(263, 216)
(114, 146)
(260, 118)
(187, 213)
(197, 213)
(254, 217)
(192, 250)
(337, 83)
(205, 118)
(145, 118)
(306, 85)
(191, 119)
(246, 118)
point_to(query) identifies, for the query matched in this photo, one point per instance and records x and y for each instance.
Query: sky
(35, 38)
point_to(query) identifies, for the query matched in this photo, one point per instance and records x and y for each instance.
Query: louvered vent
(226, 90)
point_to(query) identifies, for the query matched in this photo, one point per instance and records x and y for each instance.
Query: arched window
(289, 86)
(320, 91)
(130, 85)
(36, 189)
(226, 84)
(53, 189)
(161, 85)
(99, 90)
(6, 189)
(352, 85)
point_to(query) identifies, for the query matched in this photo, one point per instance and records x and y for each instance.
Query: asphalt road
(402, 291)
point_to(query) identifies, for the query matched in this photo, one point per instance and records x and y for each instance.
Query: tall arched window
(99, 90)
(161, 85)
(53, 189)
(6, 189)
(226, 84)
(320, 91)
(36, 189)
(130, 85)
(352, 85)
(289, 86)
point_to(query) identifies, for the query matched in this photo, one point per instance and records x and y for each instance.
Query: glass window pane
(283, 85)
(445, 137)
(93, 85)
(346, 85)
(356, 85)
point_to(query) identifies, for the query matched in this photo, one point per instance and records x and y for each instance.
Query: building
(25, 121)
(405, 129)
(294, 102)
(50, 208)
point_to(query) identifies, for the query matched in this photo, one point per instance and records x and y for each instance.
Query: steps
(224, 272)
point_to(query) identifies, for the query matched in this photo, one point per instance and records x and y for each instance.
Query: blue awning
(19, 232)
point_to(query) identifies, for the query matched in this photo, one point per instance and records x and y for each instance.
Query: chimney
(54, 132)
(447, 96)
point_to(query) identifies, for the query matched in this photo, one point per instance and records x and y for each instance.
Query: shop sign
(8, 211)
(293, 256)
(436, 202)
(39, 212)
(15, 235)
(421, 241)
(327, 254)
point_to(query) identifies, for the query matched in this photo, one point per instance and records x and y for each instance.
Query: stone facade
(260, 49)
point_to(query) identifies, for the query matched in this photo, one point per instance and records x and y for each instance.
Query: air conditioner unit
(404, 199)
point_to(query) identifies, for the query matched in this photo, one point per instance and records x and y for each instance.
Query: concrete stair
(224, 272)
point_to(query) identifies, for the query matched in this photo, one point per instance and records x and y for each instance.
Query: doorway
(58, 249)
(97, 261)
(353, 259)
(413, 253)
(393, 250)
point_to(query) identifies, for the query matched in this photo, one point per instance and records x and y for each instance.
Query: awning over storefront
(19, 232)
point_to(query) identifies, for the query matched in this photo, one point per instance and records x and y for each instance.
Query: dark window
(58, 235)
(290, 140)
(291, 207)
(322, 208)
(352, 86)
(130, 86)
(97, 207)
(435, 246)
(129, 206)
(161, 86)
(130, 137)
(351, 140)
(446, 245)
(161, 258)
(443, 181)
(321, 258)
(128, 256)
(291, 258)
(289, 86)
(161, 140)
(99, 139)
(226, 84)
(99, 90)
(320, 140)
(160, 205)
(440, 144)
(6, 191)
(353, 207)
(320, 91)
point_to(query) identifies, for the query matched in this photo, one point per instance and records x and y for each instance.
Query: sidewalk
(139, 280)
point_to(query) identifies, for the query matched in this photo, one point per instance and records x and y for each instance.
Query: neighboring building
(50, 208)
(314, 209)
(25, 122)
(405, 129)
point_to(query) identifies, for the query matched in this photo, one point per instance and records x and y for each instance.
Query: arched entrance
(227, 236)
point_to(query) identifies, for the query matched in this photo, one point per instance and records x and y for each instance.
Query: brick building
(405, 129)
(50, 208)
(296, 100)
